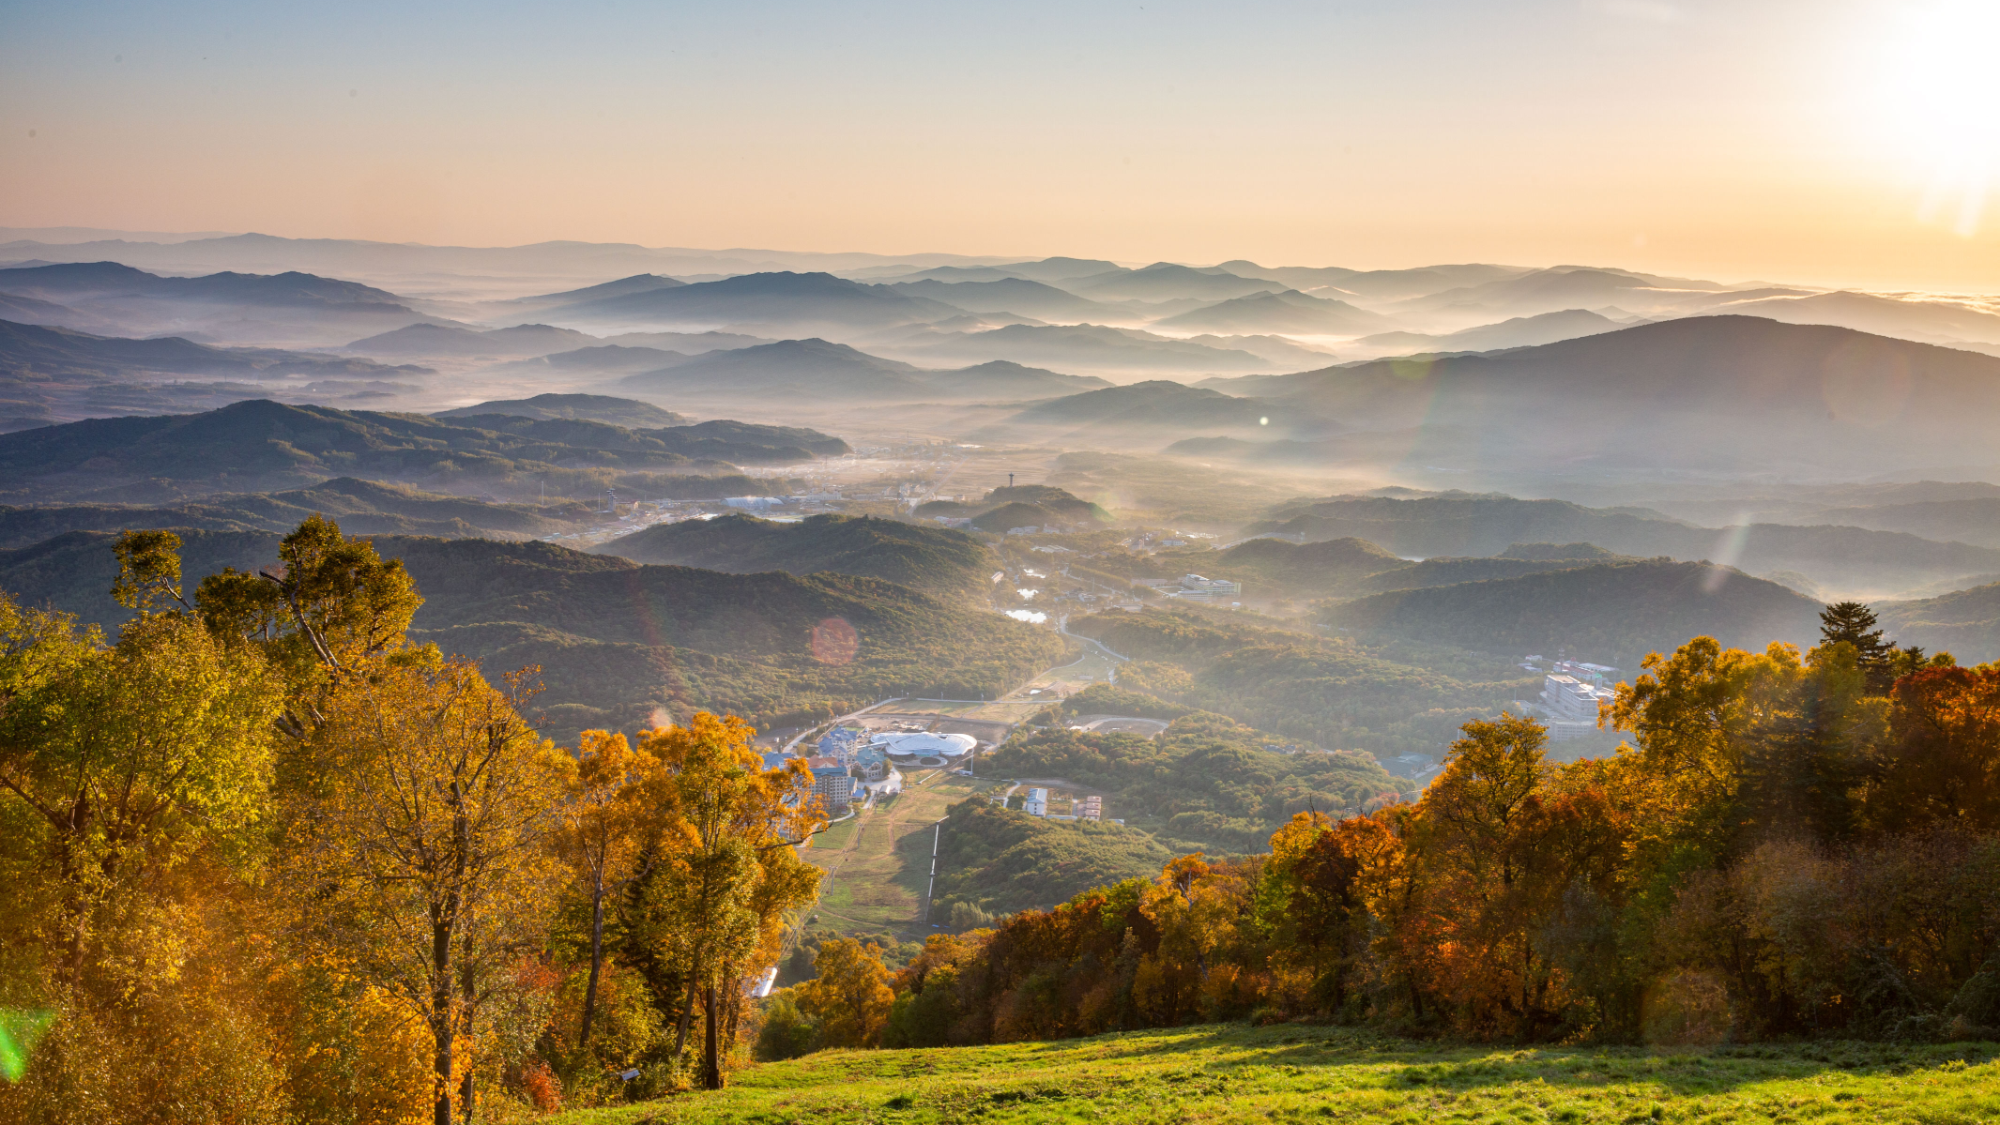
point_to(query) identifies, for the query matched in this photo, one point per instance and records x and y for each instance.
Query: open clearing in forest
(1235, 1073)
(881, 864)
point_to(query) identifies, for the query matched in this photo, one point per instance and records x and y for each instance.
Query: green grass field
(881, 860)
(1298, 1074)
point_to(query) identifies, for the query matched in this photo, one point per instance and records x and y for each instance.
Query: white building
(1201, 589)
(922, 748)
(1038, 802)
(755, 503)
(1570, 700)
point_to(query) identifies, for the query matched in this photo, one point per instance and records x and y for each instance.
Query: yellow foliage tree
(422, 862)
(850, 996)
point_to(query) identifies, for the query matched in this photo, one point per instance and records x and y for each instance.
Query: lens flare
(834, 641)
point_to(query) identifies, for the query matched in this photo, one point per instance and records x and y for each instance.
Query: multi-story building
(1090, 808)
(831, 785)
(1571, 700)
(1038, 802)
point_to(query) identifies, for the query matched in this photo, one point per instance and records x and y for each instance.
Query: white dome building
(923, 748)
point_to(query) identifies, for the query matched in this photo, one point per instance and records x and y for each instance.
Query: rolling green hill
(1335, 691)
(618, 642)
(1614, 613)
(362, 507)
(1002, 861)
(1276, 566)
(258, 444)
(1205, 782)
(935, 560)
(1027, 505)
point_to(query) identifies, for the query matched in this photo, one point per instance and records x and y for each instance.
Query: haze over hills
(361, 507)
(780, 300)
(1287, 311)
(1724, 393)
(1010, 295)
(621, 644)
(816, 369)
(1519, 332)
(457, 340)
(1081, 347)
(1615, 613)
(1838, 558)
(626, 412)
(257, 445)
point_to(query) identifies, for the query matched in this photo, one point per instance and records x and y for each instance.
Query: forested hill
(1464, 524)
(362, 508)
(1002, 861)
(932, 559)
(259, 444)
(616, 640)
(1206, 782)
(1965, 623)
(1611, 612)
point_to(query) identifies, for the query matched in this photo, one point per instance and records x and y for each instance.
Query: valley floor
(1291, 1073)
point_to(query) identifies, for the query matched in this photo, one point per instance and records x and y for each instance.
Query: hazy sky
(1840, 141)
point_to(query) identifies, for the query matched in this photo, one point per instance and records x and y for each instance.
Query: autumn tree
(324, 611)
(614, 802)
(1941, 766)
(725, 874)
(422, 862)
(849, 998)
(129, 757)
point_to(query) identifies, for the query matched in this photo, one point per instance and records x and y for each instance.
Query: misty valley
(482, 684)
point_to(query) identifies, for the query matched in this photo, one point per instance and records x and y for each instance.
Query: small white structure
(1207, 589)
(755, 503)
(1038, 802)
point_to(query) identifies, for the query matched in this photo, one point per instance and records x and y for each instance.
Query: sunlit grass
(1295, 1074)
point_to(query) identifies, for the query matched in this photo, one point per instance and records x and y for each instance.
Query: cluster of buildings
(847, 760)
(1571, 692)
(1036, 803)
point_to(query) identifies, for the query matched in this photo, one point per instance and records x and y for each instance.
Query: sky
(1835, 142)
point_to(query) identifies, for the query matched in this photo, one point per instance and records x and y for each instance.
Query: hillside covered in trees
(1000, 861)
(1206, 782)
(1615, 612)
(936, 560)
(1796, 845)
(619, 643)
(257, 445)
(1332, 691)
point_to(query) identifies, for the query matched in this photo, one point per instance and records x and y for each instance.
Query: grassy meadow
(1235, 1073)
(881, 859)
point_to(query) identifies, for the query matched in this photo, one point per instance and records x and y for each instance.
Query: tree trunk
(596, 962)
(687, 1018)
(442, 1002)
(711, 1057)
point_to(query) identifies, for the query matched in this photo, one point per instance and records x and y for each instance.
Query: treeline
(1204, 782)
(263, 859)
(1793, 845)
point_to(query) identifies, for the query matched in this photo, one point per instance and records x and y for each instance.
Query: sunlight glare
(1940, 97)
